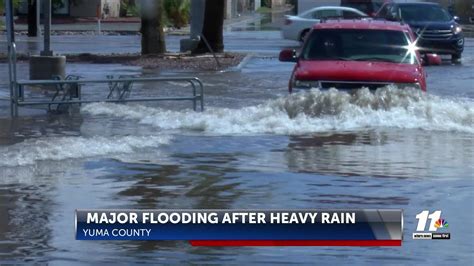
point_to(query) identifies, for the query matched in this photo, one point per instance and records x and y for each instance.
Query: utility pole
(11, 53)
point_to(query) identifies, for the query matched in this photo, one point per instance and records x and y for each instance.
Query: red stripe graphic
(269, 243)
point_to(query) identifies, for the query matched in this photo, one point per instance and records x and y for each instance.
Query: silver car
(296, 27)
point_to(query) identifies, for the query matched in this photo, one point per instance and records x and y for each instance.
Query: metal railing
(69, 91)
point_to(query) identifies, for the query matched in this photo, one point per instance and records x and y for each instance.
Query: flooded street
(254, 147)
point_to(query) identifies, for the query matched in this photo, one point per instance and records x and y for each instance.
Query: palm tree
(153, 37)
(213, 27)
(32, 27)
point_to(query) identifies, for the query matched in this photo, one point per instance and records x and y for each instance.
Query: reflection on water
(24, 230)
(398, 153)
(165, 186)
(367, 169)
(22, 128)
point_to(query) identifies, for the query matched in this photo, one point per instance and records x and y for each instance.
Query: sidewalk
(468, 30)
(128, 25)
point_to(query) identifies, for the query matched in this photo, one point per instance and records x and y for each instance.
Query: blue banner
(238, 225)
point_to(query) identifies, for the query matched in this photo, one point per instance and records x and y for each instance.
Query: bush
(177, 12)
(129, 8)
(267, 3)
(16, 3)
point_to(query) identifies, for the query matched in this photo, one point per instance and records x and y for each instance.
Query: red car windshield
(359, 45)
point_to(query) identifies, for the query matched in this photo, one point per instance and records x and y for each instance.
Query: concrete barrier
(45, 67)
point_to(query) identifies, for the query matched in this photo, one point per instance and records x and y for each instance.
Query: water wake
(313, 111)
(61, 148)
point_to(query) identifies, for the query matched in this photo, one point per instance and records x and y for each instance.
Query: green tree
(128, 7)
(16, 3)
(177, 12)
(463, 9)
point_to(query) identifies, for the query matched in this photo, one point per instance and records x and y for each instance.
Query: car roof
(361, 24)
(343, 8)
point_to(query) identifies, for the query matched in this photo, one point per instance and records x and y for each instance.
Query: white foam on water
(31, 151)
(313, 111)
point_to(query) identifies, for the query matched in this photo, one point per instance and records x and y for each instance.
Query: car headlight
(457, 29)
(306, 84)
(402, 86)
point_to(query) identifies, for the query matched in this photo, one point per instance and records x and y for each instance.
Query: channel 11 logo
(436, 222)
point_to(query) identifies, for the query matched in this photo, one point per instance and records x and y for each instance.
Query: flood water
(254, 147)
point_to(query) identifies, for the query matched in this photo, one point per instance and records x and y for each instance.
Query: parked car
(351, 54)
(436, 29)
(296, 27)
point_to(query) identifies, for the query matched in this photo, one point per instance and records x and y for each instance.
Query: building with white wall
(82, 8)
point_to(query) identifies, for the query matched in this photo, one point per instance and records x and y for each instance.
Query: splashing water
(312, 111)
(60, 148)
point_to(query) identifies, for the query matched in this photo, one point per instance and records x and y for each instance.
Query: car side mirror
(287, 55)
(457, 19)
(431, 60)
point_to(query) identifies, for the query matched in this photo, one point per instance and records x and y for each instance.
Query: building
(304, 5)
(80, 8)
(235, 8)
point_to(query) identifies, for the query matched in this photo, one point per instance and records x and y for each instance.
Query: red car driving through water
(352, 54)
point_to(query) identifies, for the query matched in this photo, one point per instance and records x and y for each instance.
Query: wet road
(260, 42)
(238, 41)
(254, 147)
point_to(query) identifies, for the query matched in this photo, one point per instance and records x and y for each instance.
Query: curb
(241, 65)
(245, 61)
(469, 34)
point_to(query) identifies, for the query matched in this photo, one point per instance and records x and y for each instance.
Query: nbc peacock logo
(441, 223)
(435, 223)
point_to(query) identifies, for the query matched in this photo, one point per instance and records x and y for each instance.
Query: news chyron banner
(245, 227)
